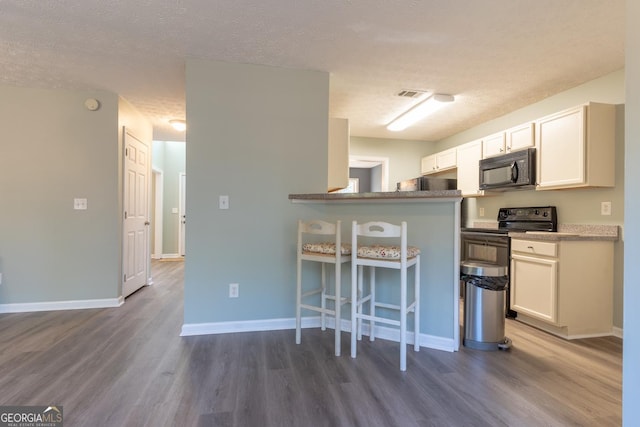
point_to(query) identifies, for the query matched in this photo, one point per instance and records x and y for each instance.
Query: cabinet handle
(530, 247)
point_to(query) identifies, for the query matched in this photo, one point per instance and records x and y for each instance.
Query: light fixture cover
(419, 111)
(179, 125)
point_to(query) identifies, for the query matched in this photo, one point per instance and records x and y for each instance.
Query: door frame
(371, 162)
(182, 194)
(158, 211)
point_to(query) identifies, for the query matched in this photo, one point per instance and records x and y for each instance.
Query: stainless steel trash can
(484, 306)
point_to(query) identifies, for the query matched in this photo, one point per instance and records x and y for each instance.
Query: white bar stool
(324, 253)
(386, 256)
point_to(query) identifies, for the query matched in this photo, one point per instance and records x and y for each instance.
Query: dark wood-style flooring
(128, 366)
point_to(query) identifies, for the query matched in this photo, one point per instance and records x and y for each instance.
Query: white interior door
(182, 213)
(137, 169)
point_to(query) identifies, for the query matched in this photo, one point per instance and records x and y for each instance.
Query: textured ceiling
(494, 55)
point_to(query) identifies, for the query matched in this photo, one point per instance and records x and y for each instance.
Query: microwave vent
(411, 93)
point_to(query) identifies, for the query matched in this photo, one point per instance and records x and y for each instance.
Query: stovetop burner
(540, 218)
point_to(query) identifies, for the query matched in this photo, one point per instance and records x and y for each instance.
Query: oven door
(488, 248)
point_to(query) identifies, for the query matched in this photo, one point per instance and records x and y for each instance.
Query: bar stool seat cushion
(386, 252)
(327, 248)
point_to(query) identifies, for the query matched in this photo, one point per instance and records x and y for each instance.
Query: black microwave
(513, 171)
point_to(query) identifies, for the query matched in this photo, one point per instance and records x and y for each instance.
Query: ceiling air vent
(411, 93)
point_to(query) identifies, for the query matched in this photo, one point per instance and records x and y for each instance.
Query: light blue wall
(631, 355)
(170, 158)
(431, 228)
(55, 150)
(256, 134)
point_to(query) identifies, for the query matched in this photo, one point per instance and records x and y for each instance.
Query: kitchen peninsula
(433, 220)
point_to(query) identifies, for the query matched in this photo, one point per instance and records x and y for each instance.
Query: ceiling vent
(411, 93)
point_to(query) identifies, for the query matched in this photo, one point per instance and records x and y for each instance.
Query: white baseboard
(428, 341)
(61, 305)
(167, 256)
(617, 332)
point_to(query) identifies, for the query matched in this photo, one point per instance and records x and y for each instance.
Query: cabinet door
(534, 286)
(428, 165)
(468, 158)
(493, 145)
(520, 137)
(446, 159)
(561, 149)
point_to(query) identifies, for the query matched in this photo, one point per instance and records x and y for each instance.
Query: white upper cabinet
(468, 158)
(513, 139)
(576, 148)
(520, 137)
(493, 145)
(439, 162)
(338, 154)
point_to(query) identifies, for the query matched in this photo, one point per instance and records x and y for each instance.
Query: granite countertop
(400, 196)
(565, 232)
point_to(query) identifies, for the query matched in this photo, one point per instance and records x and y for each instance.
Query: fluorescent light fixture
(179, 125)
(419, 111)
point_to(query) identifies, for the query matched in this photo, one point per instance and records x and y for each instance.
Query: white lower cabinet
(564, 287)
(537, 290)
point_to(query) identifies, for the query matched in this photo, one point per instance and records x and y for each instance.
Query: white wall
(631, 355)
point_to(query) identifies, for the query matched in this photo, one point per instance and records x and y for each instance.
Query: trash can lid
(482, 269)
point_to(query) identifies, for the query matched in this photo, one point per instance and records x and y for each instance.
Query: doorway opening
(371, 172)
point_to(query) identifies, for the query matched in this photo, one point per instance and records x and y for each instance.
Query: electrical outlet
(481, 211)
(80, 204)
(223, 202)
(234, 290)
(605, 208)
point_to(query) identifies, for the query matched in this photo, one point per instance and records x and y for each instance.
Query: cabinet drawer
(534, 247)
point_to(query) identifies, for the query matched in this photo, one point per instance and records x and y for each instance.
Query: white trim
(158, 177)
(182, 194)
(165, 256)
(61, 305)
(617, 332)
(382, 332)
(356, 161)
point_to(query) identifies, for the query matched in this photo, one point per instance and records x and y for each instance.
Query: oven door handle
(482, 234)
(514, 172)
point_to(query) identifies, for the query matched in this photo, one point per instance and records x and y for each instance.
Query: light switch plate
(223, 202)
(80, 204)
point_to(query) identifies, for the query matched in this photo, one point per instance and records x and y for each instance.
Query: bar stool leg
(403, 319)
(298, 302)
(372, 304)
(323, 297)
(354, 307)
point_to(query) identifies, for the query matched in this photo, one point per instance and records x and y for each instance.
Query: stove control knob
(545, 214)
(536, 212)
